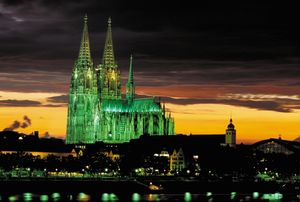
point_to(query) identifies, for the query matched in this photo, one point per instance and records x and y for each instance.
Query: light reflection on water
(136, 197)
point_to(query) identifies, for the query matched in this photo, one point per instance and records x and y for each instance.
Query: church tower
(130, 88)
(83, 95)
(109, 74)
(230, 134)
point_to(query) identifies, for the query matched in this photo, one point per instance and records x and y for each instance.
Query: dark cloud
(26, 103)
(210, 31)
(284, 105)
(19, 103)
(202, 72)
(17, 124)
(235, 47)
(26, 79)
(58, 99)
(54, 105)
(259, 105)
(26, 122)
(46, 135)
(13, 2)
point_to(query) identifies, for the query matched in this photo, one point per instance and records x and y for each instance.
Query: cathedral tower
(109, 74)
(83, 95)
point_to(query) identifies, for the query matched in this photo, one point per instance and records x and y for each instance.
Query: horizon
(206, 65)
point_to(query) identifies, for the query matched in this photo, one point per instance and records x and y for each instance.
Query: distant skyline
(206, 62)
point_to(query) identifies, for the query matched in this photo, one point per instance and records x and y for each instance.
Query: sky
(207, 62)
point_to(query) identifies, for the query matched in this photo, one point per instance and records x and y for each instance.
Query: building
(190, 144)
(230, 137)
(12, 142)
(277, 146)
(96, 109)
(177, 162)
(112, 155)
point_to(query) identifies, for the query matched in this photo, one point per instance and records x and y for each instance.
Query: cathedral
(96, 109)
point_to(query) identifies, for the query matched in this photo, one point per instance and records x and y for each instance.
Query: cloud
(27, 119)
(19, 103)
(58, 99)
(259, 105)
(270, 105)
(26, 122)
(54, 105)
(26, 103)
(17, 124)
(253, 50)
(263, 97)
(30, 80)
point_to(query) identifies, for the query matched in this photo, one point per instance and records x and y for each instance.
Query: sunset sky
(207, 62)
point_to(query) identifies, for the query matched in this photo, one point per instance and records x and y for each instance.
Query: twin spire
(84, 57)
(108, 59)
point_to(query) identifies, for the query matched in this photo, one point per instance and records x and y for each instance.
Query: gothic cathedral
(96, 109)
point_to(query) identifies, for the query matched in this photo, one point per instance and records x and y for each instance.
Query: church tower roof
(230, 125)
(84, 57)
(108, 58)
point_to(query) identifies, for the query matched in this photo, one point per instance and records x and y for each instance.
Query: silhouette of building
(277, 146)
(230, 137)
(14, 142)
(97, 111)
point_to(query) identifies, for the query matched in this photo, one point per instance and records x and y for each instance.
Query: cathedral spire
(130, 89)
(108, 59)
(130, 75)
(84, 57)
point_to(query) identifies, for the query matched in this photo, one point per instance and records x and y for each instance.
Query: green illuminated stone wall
(96, 110)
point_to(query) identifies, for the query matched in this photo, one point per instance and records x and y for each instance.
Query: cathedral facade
(96, 109)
